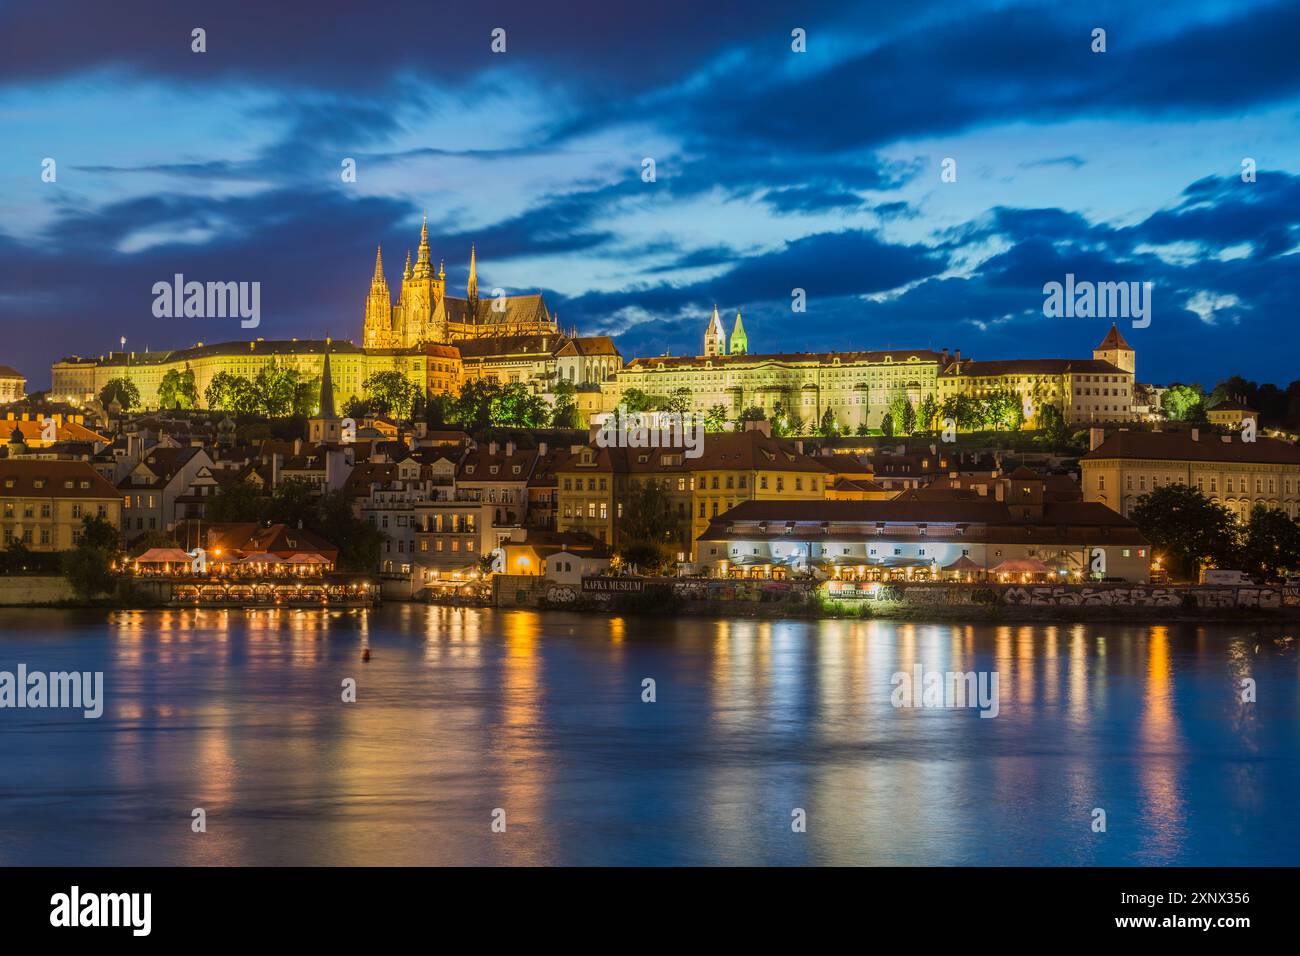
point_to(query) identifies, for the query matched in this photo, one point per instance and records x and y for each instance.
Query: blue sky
(775, 170)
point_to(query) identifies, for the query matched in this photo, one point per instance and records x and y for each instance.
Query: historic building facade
(436, 340)
(1237, 474)
(1088, 391)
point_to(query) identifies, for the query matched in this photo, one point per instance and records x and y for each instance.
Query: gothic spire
(471, 287)
(326, 389)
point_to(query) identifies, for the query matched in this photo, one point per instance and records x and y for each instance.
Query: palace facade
(436, 340)
(857, 388)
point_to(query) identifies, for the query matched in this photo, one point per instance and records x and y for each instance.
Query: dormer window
(494, 469)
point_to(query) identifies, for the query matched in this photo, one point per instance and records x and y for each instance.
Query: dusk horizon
(774, 170)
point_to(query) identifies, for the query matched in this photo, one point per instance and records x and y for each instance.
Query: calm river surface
(463, 713)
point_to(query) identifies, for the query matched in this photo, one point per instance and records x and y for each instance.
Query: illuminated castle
(425, 314)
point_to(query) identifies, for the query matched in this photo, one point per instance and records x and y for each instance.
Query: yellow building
(1231, 413)
(595, 485)
(1235, 473)
(13, 385)
(43, 502)
(855, 387)
(437, 341)
(431, 368)
(1087, 391)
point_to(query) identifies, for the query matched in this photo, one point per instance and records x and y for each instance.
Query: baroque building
(855, 387)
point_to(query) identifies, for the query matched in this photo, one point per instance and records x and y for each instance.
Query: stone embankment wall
(19, 590)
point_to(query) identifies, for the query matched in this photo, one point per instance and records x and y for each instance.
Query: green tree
(751, 414)
(87, 570)
(177, 389)
(276, 388)
(887, 425)
(237, 501)
(1179, 400)
(1052, 423)
(122, 390)
(715, 419)
(635, 400)
(926, 414)
(902, 415)
(231, 393)
(306, 397)
(391, 392)
(678, 401)
(1271, 545)
(87, 567)
(648, 532)
(564, 414)
(827, 428)
(515, 406)
(97, 532)
(1187, 529)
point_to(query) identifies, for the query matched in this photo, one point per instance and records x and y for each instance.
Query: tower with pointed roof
(421, 312)
(325, 425)
(377, 332)
(1116, 351)
(471, 287)
(739, 344)
(715, 338)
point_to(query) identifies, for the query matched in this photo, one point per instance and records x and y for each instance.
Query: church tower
(1116, 351)
(423, 315)
(715, 339)
(471, 287)
(377, 330)
(739, 341)
(325, 425)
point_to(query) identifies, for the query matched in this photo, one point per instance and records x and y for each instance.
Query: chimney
(1095, 437)
(275, 470)
(1196, 434)
(541, 449)
(510, 448)
(1000, 490)
(956, 355)
(492, 448)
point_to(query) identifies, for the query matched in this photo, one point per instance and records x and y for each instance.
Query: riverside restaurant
(228, 577)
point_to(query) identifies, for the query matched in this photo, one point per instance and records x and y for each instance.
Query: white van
(1220, 576)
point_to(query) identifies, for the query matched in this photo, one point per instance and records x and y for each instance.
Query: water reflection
(462, 712)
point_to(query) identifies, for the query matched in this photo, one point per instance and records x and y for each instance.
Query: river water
(768, 742)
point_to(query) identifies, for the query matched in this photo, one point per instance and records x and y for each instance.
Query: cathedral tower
(377, 331)
(739, 340)
(715, 339)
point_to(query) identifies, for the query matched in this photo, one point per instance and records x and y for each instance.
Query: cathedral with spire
(425, 314)
(715, 337)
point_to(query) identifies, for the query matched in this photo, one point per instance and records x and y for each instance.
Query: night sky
(775, 170)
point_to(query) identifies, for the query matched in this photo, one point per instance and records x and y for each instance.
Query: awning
(907, 563)
(304, 558)
(163, 556)
(261, 557)
(964, 563)
(1021, 566)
